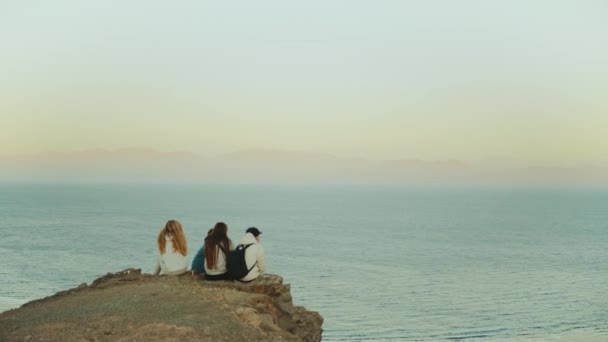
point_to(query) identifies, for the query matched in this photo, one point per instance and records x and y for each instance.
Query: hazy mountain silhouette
(270, 166)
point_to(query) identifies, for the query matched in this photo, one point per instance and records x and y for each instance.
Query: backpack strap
(222, 249)
(256, 262)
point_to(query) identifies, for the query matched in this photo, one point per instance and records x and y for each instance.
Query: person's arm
(157, 267)
(261, 259)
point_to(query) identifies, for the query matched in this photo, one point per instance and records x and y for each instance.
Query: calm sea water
(414, 264)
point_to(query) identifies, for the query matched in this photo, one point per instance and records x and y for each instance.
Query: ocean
(379, 263)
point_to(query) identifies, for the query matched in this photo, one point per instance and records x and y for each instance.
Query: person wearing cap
(254, 255)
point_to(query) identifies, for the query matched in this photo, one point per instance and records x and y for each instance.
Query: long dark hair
(217, 240)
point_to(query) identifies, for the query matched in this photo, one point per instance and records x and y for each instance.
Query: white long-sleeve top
(172, 262)
(254, 255)
(220, 262)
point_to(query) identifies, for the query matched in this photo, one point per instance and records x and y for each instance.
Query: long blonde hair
(174, 229)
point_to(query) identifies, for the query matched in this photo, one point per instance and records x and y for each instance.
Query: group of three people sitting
(211, 259)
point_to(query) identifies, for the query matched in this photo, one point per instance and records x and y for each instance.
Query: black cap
(254, 231)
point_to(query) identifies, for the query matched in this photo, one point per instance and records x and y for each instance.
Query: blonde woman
(173, 249)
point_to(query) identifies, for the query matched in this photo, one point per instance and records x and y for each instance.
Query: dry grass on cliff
(130, 306)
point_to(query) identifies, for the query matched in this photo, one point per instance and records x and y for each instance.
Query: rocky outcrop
(131, 306)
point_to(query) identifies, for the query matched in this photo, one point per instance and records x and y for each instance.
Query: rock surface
(131, 306)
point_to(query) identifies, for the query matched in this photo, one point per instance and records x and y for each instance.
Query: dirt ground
(144, 308)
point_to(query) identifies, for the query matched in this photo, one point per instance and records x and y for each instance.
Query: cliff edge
(131, 306)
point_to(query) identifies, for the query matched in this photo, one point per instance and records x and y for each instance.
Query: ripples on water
(379, 264)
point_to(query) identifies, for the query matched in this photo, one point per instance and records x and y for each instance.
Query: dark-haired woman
(198, 262)
(217, 246)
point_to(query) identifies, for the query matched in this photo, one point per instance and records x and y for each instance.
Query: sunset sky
(431, 80)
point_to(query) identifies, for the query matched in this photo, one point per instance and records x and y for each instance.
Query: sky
(506, 81)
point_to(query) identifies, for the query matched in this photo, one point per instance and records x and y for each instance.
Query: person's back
(217, 246)
(173, 250)
(254, 254)
(171, 262)
(220, 260)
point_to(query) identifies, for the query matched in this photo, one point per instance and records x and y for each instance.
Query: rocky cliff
(131, 306)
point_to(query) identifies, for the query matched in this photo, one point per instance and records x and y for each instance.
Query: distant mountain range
(272, 166)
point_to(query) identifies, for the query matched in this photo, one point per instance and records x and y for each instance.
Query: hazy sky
(470, 80)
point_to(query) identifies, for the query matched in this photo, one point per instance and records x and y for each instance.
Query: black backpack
(235, 263)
